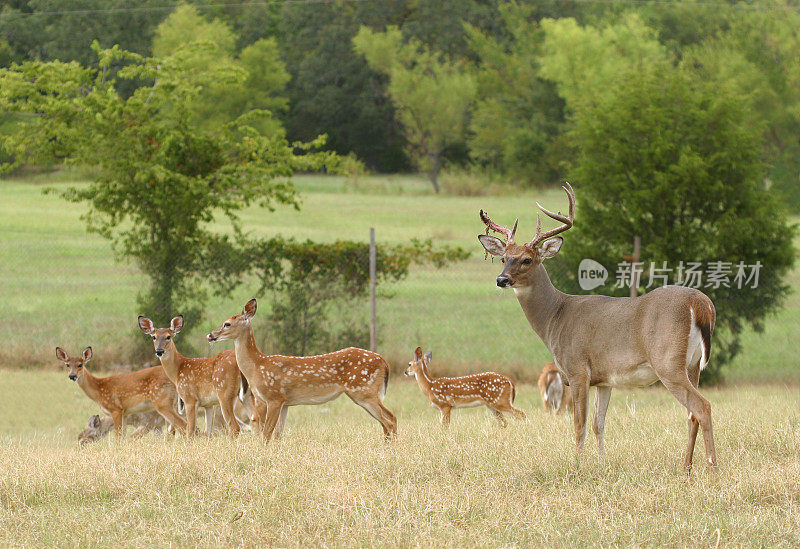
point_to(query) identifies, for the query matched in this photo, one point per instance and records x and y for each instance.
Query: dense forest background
(465, 86)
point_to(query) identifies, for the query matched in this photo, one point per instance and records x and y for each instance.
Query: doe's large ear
(146, 325)
(550, 247)
(94, 422)
(250, 307)
(492, 244)
(418, 353)
(429, 356)
(176, 324)
(87, 354)
(61, 354)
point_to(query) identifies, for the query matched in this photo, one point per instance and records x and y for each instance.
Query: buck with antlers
(123, 394)
(610, 342)
(489, 389)
(204, 382)
(282, 381)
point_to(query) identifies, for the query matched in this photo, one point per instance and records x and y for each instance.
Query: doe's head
(235, 325)
(163, 338)
(95, 430)
(521, 260)
(415, 366)
(75, 366)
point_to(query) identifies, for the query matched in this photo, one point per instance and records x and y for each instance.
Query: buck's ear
(176, 324)
(492, 244)
(249, 310)
(61, 354)
(87, 354)
(94, 422)
(429, 356)
(146, 325)
(550, 247)
(418, 353)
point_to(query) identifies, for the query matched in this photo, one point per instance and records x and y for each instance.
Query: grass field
(61, 286)
(331, 481)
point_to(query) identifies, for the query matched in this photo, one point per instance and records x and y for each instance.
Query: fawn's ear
(87, 354)
(429, 356)
(249, 310)
(146, 325)
(176, 324)
(418, 353)
(550, 247)
(94, 422)
(492, 244)
(61, 354)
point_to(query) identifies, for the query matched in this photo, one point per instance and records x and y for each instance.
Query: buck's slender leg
(694, 379)
(580, 396)
(677, 382)
(600, 407)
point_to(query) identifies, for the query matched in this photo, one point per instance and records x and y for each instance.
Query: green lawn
(62, 286)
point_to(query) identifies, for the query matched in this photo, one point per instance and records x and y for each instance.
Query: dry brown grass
(332, 481)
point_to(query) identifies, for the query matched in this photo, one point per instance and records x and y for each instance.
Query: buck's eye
(154, 338)
(527, 261)
(79, 366)
(502, 260)
(227, 325)
(168, 338)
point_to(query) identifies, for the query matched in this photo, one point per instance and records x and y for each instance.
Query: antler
(498, 228)
(566, 220)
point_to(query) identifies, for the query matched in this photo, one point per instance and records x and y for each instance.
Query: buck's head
(163, 338)
(521, 260)
(235, 325)
(416, 365)
(75, 366)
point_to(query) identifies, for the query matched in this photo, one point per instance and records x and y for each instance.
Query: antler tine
(498, 228)
(565, 220)
(514, 230)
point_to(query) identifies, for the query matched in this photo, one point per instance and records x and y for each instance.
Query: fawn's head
(420, 360)
(235, 325)
(520, 260)
(163, 338)
(74, 366)
(95, 430)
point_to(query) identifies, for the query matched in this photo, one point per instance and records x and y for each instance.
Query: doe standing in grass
(123, 394)
(204, 382)
(282, 381)
(495, 391)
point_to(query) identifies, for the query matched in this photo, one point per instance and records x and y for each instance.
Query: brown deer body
(495, 391)
(610, 342)
(204, 382)
(282, 381)
(556, 395)
(123, 394)
(98, 427)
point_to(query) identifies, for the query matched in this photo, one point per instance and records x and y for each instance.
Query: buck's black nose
(73, 377)
(159, 352)
(503, 281)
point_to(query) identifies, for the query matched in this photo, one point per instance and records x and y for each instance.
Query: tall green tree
(675, 159)
(432, 94)
(160, 181)
(203, 43)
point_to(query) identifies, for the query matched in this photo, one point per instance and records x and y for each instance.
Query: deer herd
(596, 341)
